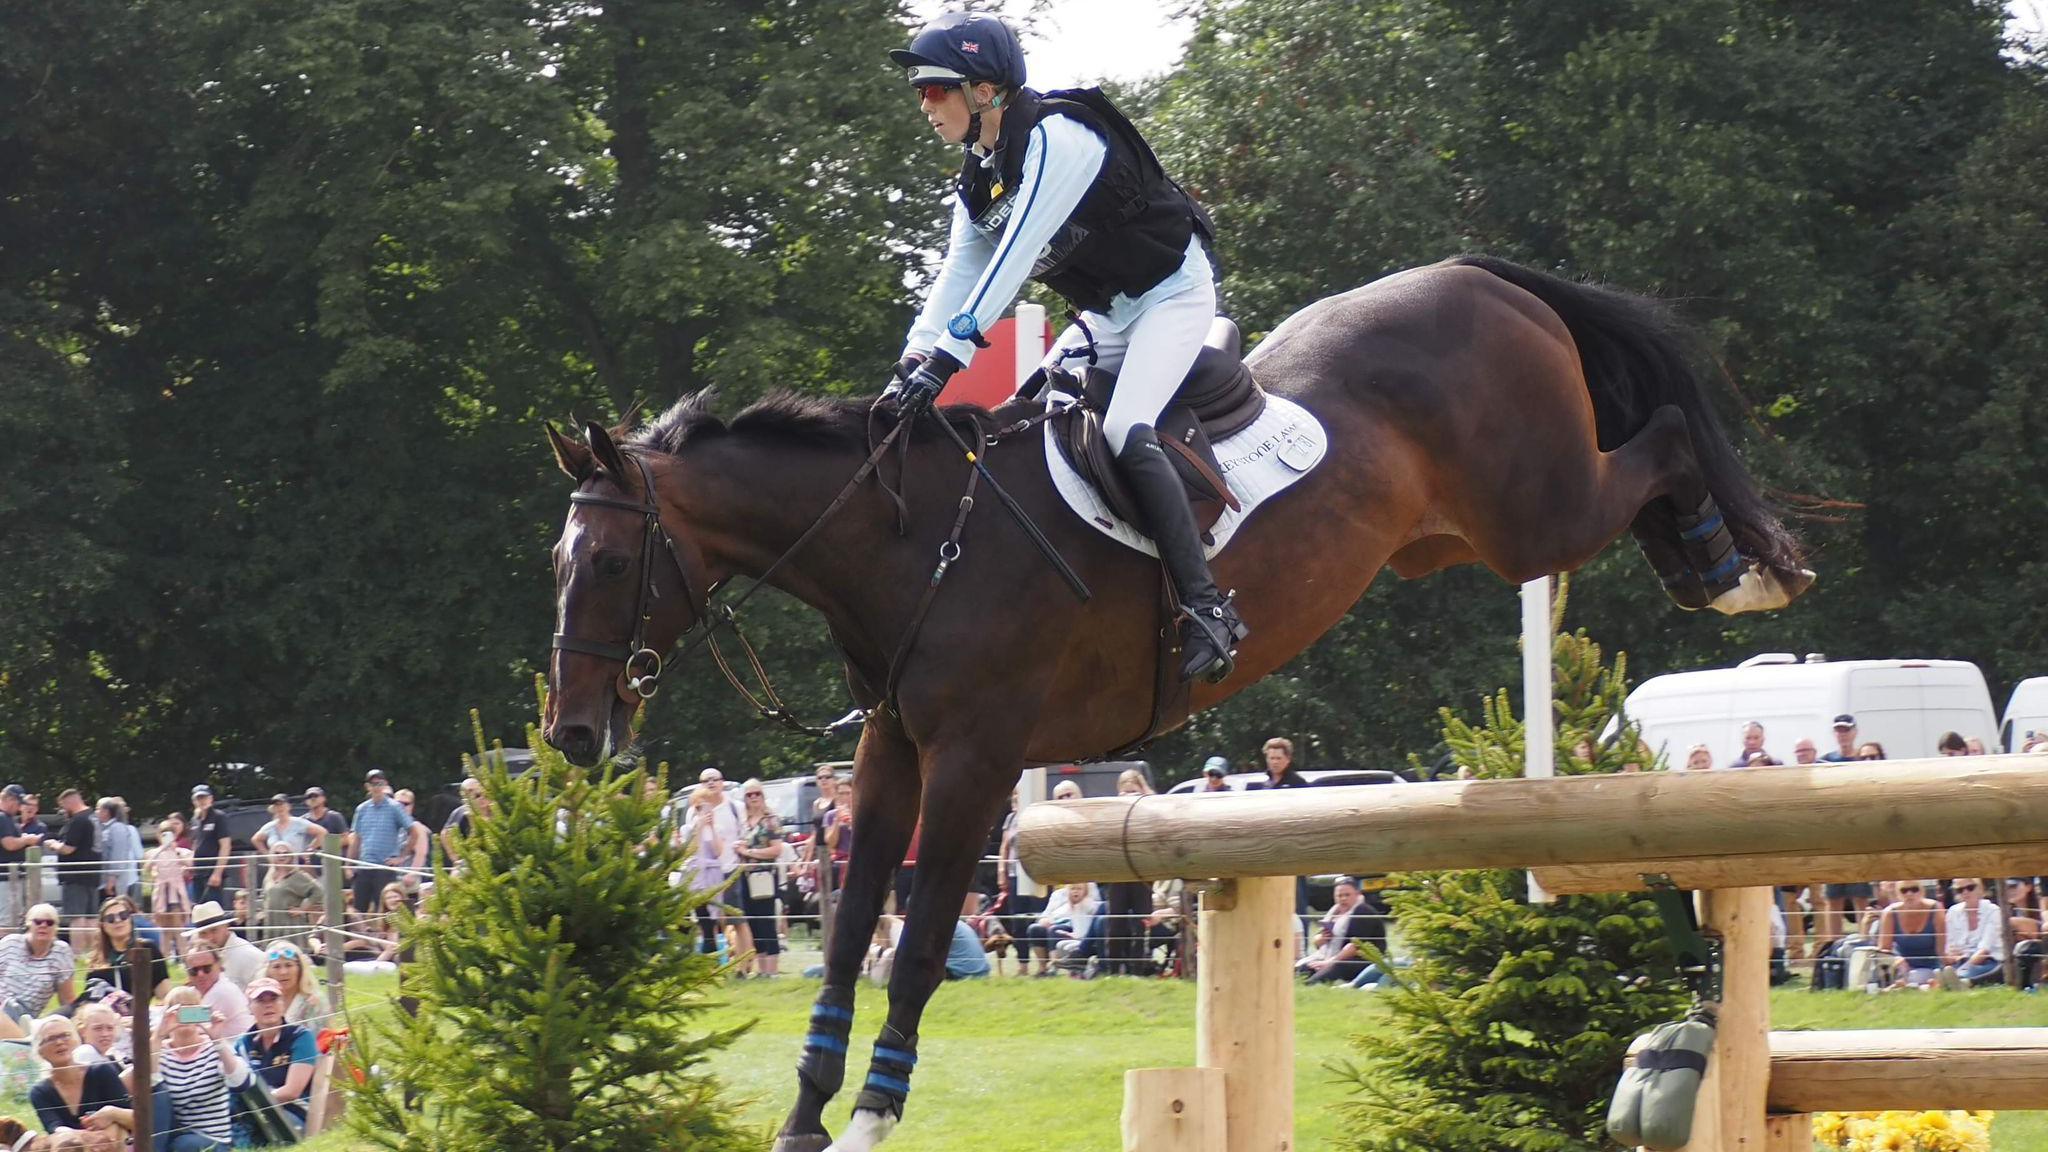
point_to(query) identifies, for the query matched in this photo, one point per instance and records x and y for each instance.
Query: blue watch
(964, 327)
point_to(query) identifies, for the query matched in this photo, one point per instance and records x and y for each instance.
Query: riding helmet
(964, 46)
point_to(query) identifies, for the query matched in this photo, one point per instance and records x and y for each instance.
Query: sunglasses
(1966, 887)
(281, 954)
(42, 923)
(117, 917)
(934, 92)
(753, 795)
(199, 969)
(1909, 888)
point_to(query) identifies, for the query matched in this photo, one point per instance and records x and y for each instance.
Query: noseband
(641, 678)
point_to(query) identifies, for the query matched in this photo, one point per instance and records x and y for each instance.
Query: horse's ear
(606, 451)
(572, 458)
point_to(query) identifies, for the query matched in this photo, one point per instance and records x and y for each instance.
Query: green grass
(1033, 1064)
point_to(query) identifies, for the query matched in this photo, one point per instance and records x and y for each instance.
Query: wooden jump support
(1729, 835)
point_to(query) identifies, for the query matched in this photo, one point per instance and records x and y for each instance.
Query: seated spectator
(1214, 769)
(71, 1094)
(1335, 955)
(1067, 917)
(1976, 935)
(108, 962)
(213, 928)
(104, 1036)
(1870, 750)
(881, 957)
(292, 900)
(1914, 930)
(17, 1136)
(34, 966)
(967, 956)
(1974, 746)
(203, 976)
(1952, 744)
(198, 1066)
(278, 1051)
(284, 963)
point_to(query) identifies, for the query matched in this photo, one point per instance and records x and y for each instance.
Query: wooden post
(336, 900)
(1244, 1009)
(1789, 1133)
(1174, 1110)
(139, 976)
(1730, 1114)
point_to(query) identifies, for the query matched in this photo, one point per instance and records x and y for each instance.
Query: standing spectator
(296, 834)
(1913, 930)
(170, 898)
(35, 965)
(1752, 745)
(463, 820)
(203, 975)
(1952, 744)
(760, 846)
(1974, 746)
(75, 1095)
(839, 834)
(284, 963)
(31, 820)
(277, 1049)
(419, 843)
(827, 781)
(213, 929)
(725, 813)
(373, 841)
(1281, 773)
(78, 870)
(198, 1065)
(1698, 758)
(1337, 958)
(1018, 908)
(14, 846)
(210, 847)
(108, 960)
(1804, 751)
(705, 870)
(1976, 935)
(319, 813)
(291, 898)
(1870, 750)
(1126, 904)
(1214, 771)
(1845, 740)
(122, 854)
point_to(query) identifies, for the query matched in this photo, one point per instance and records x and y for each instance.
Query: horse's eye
(612, 565)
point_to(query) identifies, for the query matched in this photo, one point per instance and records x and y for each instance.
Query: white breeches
(1150, 343)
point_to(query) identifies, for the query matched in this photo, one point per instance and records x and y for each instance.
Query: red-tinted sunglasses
(934, 91)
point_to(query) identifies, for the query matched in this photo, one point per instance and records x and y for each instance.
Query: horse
(1476, 411)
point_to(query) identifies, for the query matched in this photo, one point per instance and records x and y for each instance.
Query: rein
(641, 677)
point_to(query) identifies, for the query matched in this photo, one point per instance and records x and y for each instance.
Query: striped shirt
(199, 1090)
(28, 980)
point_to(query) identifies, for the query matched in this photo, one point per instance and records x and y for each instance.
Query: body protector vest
(1131, 229)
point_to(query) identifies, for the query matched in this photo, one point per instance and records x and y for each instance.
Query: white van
(2026, 712)
(1904, 705)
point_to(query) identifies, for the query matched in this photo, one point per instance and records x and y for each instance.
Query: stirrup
(1217, 631)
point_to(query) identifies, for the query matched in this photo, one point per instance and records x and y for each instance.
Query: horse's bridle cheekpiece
(641, 678)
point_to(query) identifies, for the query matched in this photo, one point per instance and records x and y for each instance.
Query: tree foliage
(556, 975)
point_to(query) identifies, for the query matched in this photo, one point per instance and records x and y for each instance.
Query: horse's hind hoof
(1763, 590)
(808, 1142)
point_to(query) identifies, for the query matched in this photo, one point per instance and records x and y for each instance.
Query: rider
(1060, 187)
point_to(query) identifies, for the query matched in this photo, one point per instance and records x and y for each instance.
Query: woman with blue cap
(1060, 188)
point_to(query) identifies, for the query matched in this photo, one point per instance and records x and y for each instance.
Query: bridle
(640, 679)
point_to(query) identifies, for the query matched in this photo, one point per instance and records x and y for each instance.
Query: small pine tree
(556, 975)
(1509, 1030)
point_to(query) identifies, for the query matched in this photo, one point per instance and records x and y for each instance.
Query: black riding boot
(1214, 631)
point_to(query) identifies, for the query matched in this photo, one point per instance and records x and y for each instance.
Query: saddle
(1218, 399)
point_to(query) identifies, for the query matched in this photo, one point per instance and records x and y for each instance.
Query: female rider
(1062, 189)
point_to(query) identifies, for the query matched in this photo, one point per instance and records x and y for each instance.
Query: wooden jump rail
(1729, 835)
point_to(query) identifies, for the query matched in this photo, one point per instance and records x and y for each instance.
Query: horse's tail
(1638, 356)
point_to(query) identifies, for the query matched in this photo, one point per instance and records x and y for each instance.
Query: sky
(1076, 42)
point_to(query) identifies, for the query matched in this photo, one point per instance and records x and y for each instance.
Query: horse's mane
(786, 417)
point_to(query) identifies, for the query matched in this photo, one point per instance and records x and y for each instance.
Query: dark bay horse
(1476, 411)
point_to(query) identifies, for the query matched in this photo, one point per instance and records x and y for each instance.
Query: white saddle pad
(1272, 452)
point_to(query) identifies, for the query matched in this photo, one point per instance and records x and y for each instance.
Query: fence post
(140, 974)
(335, 894)
(1244, 1008)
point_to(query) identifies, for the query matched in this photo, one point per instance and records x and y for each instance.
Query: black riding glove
(900, 371)
(925, 383)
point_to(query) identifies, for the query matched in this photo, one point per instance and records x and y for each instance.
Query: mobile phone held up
(195, 1015)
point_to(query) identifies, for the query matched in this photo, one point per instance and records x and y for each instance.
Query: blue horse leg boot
(888, 1083)
(1704, 535)
(823, 1064)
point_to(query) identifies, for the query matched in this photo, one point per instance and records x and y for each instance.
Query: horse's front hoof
(1763, 590)
(807, 1142)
